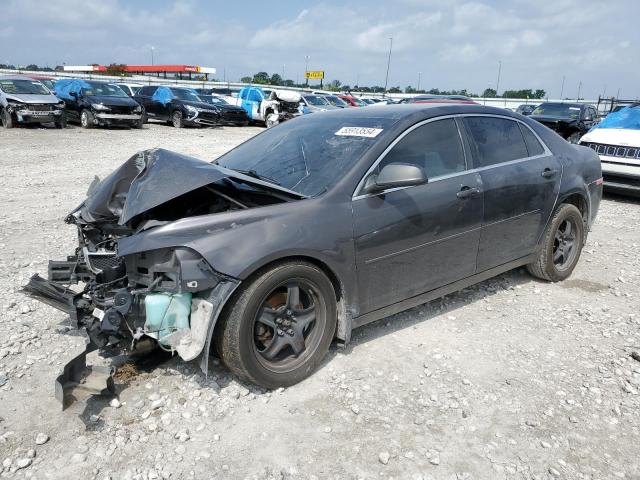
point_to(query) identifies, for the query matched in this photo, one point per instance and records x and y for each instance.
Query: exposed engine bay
(166, 297)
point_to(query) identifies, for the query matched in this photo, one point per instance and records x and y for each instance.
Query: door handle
(467, 192)
(548, 173)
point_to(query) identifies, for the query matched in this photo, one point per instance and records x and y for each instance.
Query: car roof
(570, 104)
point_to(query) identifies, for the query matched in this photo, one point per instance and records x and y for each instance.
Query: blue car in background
(270, 109)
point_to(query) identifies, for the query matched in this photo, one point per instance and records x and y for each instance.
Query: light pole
(152, 49)
(306, 69)
(386, 80)
(357, 80)
(562, 88)
(604, 90)
(419, 75)
(283, 65)
(618, 94)
(498, 81)
(579, 87)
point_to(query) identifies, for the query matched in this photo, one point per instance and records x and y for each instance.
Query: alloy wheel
(288, 326)
(564, 248)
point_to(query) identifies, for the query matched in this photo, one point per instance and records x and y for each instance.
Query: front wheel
(62, 123)
(561, 246)
(7, 119)
(272, 120)
(279, 326)
(176, 119)
(86, 119)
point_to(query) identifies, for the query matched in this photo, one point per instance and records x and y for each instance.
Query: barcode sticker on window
(359, 132)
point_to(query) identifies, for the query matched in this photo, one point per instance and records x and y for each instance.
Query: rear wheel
(272, 120)
(86, 119)
(7, 119)
(279, 326)
(176, 119)
(562, 245)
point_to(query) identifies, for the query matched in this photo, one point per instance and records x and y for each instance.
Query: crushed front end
(167, 298)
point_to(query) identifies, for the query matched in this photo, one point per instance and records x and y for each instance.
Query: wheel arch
(344, 323)
(580, 201)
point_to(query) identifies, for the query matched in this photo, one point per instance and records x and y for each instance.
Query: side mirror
(73, 94)
(395, 175)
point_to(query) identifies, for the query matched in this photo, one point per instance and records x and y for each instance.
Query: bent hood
(113, 101)
(30, 98)
(151, 178)
(625, 137)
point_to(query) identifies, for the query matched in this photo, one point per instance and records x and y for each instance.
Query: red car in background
(352, 101)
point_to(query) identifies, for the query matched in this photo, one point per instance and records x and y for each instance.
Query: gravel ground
(512, 378)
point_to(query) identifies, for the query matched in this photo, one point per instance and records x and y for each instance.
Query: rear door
(414, 239)
(520, 181)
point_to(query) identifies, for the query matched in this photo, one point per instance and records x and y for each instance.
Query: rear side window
(434, 147)
(497, 140)
(147, 91)
(533, 145)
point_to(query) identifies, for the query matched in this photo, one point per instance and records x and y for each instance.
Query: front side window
(497, 140)
(435, 147)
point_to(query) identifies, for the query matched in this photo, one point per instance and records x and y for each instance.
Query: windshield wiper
(254, 174)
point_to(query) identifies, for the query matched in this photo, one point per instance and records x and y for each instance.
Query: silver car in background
(26, 100)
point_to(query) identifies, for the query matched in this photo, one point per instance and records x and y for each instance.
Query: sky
(448, 44)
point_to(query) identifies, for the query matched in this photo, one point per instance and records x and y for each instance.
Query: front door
(521, 180)
(412, 240)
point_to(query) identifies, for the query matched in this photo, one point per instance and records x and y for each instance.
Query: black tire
(556, 259)
(7, 119)
(176, 119)
(86, 119)
(243, 342)
(62, 123)
(140, 123)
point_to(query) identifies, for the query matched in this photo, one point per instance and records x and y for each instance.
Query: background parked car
(229, 114)
(92, 103)
(336, 101)
(525, 109)
(570, 120)
(177, 105)
(440, 99)
(25, 100)
(315, 103)
(617, 141)
(130, 88)
(352, 101)
(269, 106)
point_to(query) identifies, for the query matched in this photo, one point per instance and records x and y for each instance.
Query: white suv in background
(617, 141)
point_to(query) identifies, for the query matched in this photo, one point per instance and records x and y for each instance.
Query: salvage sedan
(316, 227)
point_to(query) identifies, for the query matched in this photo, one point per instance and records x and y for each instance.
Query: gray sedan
(318, 226)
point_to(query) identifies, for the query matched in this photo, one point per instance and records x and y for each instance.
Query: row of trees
(263, 78)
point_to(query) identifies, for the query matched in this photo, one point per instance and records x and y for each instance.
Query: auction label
(359, 132)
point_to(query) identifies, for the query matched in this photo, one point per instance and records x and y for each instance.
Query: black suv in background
(92, 103)
(177, 105)
(229, 114)
(570, 120)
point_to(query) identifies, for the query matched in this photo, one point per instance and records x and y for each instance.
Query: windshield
(23, 87)
(185, 94)
(305, 154)
(213, 99)
(338, 102)
(102, 90)
(557, 110)
(315, 100)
